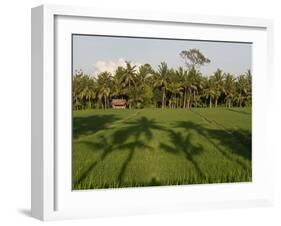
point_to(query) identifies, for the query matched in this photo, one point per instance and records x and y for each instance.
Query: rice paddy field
(117, 148)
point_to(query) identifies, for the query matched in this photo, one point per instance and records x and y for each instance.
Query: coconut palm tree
(129, 74)
(183, 80)
(137, 94)
(209, 91)
(242, 89)
(249, 87)
(196, 84)
(104, 84)
(143, 73)
(161, 78)
(129, 79)
(104, 93)
(174, 88)
(118, 84)
(76, 89)
(88, 91)
(229, 89)
(218, 79)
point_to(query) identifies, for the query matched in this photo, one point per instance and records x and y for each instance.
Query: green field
(147, 147)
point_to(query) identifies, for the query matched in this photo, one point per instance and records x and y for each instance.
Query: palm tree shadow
(183, 144)
(92, 124)
(238, 141)
(103, 146)
(137, 128)
(133, 136)
(132, 147)
(138, 132)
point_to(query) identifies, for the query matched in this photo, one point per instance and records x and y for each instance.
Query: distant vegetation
(164, 87)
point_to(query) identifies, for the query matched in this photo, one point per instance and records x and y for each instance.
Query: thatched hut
(119, 103)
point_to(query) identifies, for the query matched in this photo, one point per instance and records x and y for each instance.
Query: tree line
(164, 87)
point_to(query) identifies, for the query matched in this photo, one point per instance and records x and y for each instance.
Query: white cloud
(111, 65)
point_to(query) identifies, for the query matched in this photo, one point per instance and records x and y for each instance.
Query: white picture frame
(52, 198)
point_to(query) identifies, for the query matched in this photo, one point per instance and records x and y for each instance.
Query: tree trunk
(210, 102)
(163, 98)
(216, 102)
(184, 97)
(194, 100)
(240, 100)
(90, 103)
(189, 100)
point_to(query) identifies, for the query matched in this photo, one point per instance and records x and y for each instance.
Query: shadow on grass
(183, 143)
(127, 137)
(135, 135)
(238, 141)
(92, 124)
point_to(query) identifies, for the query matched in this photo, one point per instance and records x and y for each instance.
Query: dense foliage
(164, 87)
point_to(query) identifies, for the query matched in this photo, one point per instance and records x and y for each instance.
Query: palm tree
(104, 93)
(249, 87)
(175, 89)
(117, 83)
(88, 92)
(196, 84)
(218, 85)
(129, 77)
(137, 94)
(143, 73)
(209, 91)
(185, 84)
(242, 89)
(129, 74)
(104, 88)
(230, 89)
(76, 89)
(161, 78)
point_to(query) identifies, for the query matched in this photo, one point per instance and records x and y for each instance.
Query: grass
(128, 148)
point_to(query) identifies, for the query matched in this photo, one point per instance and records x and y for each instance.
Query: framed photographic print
(138, 112)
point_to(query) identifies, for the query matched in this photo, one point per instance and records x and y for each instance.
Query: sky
(95, 54)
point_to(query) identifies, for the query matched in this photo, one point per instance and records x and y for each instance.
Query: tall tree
(185, 84)
(209, 91)
(174, 88)
(161, 78)
(229, 89)
(242, 89)
(218, 80)
(193, 58)
(249, 87)
(83, 90)
(194, 76)
(104, 88)
(129, 78)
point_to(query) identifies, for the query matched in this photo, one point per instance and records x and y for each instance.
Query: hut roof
(118, 102)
